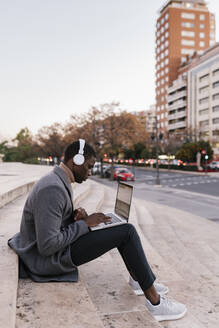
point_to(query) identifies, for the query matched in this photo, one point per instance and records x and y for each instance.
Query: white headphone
(79, 159)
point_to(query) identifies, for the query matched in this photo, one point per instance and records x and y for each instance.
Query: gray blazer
(47, 230)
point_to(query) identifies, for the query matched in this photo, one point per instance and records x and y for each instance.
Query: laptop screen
(123, 200)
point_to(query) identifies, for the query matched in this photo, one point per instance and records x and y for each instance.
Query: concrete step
(55, 305)
(116, 304)
(9, 224)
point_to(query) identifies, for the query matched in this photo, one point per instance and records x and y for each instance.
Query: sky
(61, 57)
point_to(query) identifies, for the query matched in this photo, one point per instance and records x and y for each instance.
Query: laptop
(122, 207)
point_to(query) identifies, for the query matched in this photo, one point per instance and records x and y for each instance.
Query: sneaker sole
(170, 317)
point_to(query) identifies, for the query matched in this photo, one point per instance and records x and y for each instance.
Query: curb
(12, 194)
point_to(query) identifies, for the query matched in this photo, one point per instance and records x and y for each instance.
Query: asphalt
(182, 250)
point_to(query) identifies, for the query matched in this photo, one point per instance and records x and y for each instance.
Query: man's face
(81, 172)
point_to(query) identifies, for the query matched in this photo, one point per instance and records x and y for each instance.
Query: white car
(214, 165)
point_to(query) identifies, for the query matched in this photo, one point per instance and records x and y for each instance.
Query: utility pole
(157, 157)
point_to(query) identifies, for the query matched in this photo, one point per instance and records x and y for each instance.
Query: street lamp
(157, 145)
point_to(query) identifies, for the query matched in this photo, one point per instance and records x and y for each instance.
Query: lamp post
(157, 145)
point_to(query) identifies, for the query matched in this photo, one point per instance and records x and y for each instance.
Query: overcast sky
(60, 57)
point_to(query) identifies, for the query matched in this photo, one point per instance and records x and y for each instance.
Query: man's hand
(80, 214)
(96, 218)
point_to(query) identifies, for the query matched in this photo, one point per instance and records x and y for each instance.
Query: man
(55, 239)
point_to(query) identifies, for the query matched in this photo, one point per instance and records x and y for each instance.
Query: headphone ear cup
(78, 159)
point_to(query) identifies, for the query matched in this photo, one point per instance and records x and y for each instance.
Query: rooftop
(197, 2)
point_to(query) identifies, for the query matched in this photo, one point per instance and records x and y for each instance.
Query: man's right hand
(96, 218)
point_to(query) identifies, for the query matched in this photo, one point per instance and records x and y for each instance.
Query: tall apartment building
(183, 26)
(203, 97)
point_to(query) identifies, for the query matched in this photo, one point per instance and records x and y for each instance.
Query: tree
(50, 140)
(188, 151)
(24, 150)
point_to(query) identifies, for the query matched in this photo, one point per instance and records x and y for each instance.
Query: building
(177, 106)
(150, 120)
(203, 97)
(183, 27)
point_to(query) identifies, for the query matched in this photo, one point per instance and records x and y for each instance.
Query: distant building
(193, 98)
(203, 97)
(147, 118)
(183, 27)
(150, 120)
(177, 105)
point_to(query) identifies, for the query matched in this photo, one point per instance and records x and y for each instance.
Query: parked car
(96, 168)
(107, 171)
(214, 165)
(123, 174)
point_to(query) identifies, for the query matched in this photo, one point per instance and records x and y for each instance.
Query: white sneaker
(167, 309)
(160, 288)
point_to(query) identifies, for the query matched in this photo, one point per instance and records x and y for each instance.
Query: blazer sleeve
(48, 211)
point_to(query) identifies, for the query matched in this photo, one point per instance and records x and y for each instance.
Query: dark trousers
(125, 238)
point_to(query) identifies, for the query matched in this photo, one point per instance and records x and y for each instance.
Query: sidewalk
(183, 250)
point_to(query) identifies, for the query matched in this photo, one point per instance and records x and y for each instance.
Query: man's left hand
(80, 214)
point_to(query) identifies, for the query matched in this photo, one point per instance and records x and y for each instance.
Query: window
(202, 35)
(166, 61)
(166, 70)
(216, 96)
(215, 108)
(162, 64)
(167, 79)
(166, 52)
(204, 123)
(203, 100)
(215, 84)
(202, 44)
(166, 34)
(166, 16)
(158, 24)
(188, 15)
(188, 25)
(162, 21)
(183, 59)
(188, 33)
(202, 17)
(187, 51)
(166, 26)
(215, 120)
(205, 88)
(204, 111)
(203, 78)
(158, 33)
(162, 29)
(187, 42)
(162, 38)
(215, 72)
(202, 26)
(212, 35)
(212, 42)
(162, 47)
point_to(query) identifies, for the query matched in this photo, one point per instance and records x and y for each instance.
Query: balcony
(177, 115)
(177, 125)
(176, 95)
(177, 104)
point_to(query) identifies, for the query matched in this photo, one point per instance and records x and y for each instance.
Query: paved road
(195, 194)
(205, 184)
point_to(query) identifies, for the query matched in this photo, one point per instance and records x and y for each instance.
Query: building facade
(203, 97)
(183, 27)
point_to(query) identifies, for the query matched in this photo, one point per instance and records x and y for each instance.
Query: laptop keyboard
(114, 218)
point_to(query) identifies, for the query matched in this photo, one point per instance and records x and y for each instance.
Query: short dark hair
(72, 149)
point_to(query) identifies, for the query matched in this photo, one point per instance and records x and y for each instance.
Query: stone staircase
(181, 248)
